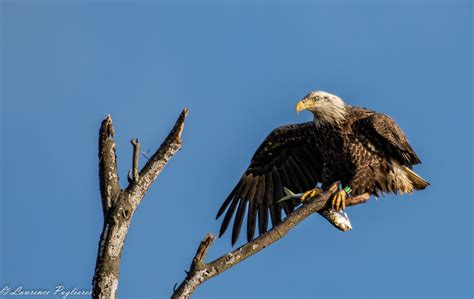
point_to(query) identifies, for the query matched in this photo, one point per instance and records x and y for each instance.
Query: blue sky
(240, 67)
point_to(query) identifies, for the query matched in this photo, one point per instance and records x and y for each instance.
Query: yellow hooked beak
(302, 105)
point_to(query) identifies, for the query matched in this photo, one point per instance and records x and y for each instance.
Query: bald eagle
(366, 151)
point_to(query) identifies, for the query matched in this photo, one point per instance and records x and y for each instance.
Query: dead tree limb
(136, 154)
(109, 185)
(119, 205)
(200, 271)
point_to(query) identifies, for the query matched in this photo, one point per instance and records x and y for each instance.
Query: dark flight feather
(272, 167)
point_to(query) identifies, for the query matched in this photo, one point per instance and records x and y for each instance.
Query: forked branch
(200, 271)
(120, 205)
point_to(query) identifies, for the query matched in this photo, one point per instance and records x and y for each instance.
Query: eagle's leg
(310, 194)
(338, 201)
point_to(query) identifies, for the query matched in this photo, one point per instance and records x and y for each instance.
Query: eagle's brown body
(360, 153)
(362, 149)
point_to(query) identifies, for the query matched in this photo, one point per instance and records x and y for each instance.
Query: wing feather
(231, 210)
(228, 199)
(239, 216)
(275, 208)
(287, 157)
(305, 171)
(262, 208)
(391, 137)
(299, 174)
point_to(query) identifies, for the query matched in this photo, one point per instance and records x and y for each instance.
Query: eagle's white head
(326, 108)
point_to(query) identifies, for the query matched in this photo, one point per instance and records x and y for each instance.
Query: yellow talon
(310, 194)
(338, 200)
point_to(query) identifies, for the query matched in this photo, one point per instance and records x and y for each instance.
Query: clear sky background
(240, 67)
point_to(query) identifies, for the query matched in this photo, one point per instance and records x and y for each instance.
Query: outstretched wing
(391, 138)
(288, 157)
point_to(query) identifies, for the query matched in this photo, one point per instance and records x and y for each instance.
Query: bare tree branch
(200, 271)
(120, 205)
(136, 154)
(108, 178)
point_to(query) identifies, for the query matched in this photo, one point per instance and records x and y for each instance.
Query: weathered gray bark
(120, 205)
(200, 271)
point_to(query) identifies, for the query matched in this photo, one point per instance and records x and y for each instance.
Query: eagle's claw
(338, 201)
(310, 194)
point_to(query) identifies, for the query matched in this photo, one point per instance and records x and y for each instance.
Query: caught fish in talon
(338, 219)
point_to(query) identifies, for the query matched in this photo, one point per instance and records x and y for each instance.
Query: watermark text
(59, 291)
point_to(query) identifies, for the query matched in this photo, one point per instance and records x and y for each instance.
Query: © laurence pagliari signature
(58, 290)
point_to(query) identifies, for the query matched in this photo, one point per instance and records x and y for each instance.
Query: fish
(340, 219)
